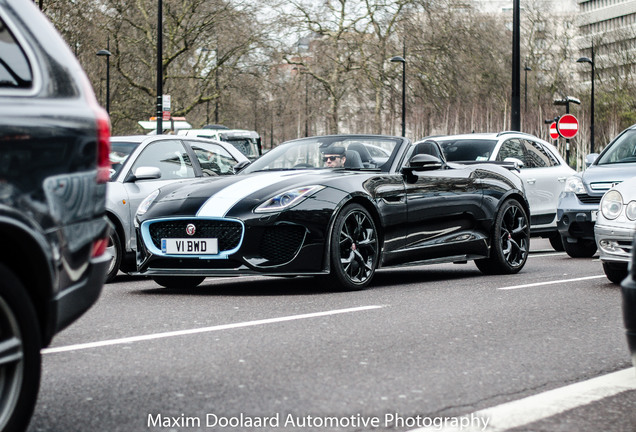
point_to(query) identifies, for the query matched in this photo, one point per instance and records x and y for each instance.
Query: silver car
(615, 229)
(542, 170)
(144, 163)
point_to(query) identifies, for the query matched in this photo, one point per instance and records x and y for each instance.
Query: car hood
(612, 173)
(216, 196)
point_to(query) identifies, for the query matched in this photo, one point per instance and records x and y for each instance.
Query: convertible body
(286, 214)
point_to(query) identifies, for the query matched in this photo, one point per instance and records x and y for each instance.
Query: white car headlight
(612, 204)
(287, 199)
(574, 184)
(630, 211)
(145, 204)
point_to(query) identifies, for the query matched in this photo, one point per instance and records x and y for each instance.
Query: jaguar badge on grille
(190, 229)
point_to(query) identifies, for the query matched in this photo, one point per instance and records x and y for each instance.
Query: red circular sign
(554, 133)
(568, 126)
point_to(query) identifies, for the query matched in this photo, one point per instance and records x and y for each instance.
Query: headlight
(612, 204)
(287, 199)
(630, 211)
(145, 204)
(574, 184)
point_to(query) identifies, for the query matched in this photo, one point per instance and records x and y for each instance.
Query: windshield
(247, 146)
(119, 153)
(348, 152)
(468, 149)
(622, 150)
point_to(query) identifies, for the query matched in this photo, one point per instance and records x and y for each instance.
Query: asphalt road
(286, 354)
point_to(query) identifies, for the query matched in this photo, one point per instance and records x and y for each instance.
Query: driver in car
(334, 157)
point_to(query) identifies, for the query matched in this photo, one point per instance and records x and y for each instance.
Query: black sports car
(325, 206)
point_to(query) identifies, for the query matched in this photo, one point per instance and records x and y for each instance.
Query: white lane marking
(147, 337)
(544, 254)
(547, 404)
(221, 202)
(553, 282)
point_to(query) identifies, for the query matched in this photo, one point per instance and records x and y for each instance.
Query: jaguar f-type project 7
(325, 206)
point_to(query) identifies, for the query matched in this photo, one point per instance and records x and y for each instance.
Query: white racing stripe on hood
(221, 202)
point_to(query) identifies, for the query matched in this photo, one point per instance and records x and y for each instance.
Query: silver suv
(579, 204)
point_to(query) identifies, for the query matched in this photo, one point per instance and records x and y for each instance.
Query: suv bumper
(77, 299)
(576, 219)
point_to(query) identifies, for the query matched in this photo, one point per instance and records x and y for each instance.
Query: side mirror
(517, 162)
(240, 166)
(422, 162)
(589, 159)
(145, 173)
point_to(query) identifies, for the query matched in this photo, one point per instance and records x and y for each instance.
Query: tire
(354, 252)
(615, 272)
(510, 241)
(581, 248)
(556, 242)
(20, 358)
(178, 281)
(114, 247)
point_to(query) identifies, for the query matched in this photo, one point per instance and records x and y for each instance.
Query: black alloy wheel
(510, 241)
(178, 281)
(20, 358)
(354, 248)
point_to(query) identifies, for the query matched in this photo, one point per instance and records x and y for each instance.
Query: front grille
(227, 232)
(589, 199)
(280, 243)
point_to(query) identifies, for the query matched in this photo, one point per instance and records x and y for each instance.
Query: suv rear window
(15, 71)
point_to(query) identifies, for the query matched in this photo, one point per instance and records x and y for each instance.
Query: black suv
(54, 145)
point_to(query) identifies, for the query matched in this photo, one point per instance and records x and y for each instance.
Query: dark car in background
(578, 206)
(53, 172)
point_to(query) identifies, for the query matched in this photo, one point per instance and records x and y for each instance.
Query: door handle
(562, 179)
(531, 181)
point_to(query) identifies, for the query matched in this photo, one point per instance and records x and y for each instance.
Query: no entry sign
(554, 133)
(568, 126)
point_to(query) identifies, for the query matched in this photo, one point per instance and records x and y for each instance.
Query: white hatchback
(541, 167)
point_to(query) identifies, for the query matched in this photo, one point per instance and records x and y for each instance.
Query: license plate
(190, 246)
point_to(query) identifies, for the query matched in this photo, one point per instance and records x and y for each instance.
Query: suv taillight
(103, 146)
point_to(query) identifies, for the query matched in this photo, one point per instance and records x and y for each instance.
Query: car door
(523, 150)
(442, 208)
(544, 178)
(174, 164)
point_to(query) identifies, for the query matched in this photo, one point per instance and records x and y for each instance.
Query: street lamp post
(107, 54)
(526, 69)
(159, 67)
(591, 62)
(398, 59)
